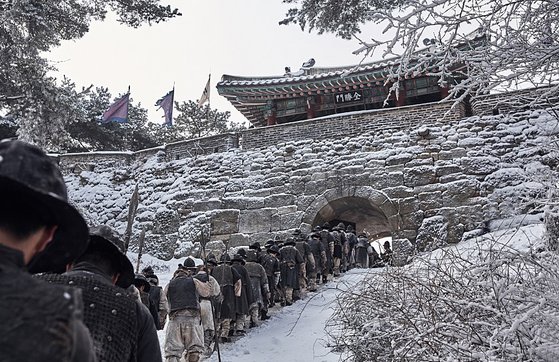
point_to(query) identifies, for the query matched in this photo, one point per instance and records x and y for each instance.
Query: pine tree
(28, 28)
(517, 41)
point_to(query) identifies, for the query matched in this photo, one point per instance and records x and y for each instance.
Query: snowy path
(295, 333)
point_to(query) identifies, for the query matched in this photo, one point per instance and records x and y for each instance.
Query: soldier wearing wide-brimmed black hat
(246, 298)
(230, 283)
(290, 266)
(158, 310)
(319, 255)
(270, 263)
(39, 231)
(121, 326)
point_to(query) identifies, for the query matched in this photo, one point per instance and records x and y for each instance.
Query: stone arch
(369, 209)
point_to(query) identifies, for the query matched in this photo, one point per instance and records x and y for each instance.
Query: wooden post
(140, 249)
(132, 207)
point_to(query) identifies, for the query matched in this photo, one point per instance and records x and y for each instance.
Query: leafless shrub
(485, 303)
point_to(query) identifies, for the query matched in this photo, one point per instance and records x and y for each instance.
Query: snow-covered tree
(28, 28)
(194, 121)
(517, 41)
(88, 134)
(489, 300)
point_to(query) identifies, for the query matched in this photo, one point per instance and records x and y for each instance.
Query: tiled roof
(311, 74)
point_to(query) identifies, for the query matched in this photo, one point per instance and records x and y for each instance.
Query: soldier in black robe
(290, 266)
(328, 242)
(270, 263)
(319, 254)
(242, 302)
(230, 283)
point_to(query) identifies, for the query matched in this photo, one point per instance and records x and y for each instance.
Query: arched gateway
(368, 209)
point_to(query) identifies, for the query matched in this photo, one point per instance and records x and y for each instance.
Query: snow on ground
(297, 333)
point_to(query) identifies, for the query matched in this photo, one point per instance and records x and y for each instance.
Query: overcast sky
(240, 37)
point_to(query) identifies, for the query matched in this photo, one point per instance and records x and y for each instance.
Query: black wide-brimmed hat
(141, 280)
(238, 258)
(255, 246)
(27, 171)
(189, 264)
(290, 241)
(211, 260)
(225, 258)
(104, 237)
(252, 255)
(273, 249)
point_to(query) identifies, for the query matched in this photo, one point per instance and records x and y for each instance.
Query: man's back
(40, 322)
(109, 313)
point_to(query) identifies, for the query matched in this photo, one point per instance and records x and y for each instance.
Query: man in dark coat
(340, 249)
(259, 286)
(155, 297)
(143, 286)
(308, 261)
(387, 253)
(319, 254)
(230, 283)
(328, 242)
(351, 243)
(290, 266)
(270, 263)
(121, 326)
(39, 232)
(242, 302)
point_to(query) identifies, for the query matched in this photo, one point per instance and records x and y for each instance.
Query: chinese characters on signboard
(349, 97)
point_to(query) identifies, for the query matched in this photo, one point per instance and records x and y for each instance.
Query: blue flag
(166, 103)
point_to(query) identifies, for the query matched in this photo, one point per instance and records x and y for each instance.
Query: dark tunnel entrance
(359, 212)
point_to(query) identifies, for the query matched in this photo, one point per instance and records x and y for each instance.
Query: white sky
(240, 37)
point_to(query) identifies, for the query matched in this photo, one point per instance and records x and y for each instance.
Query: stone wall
(201, 146)
(77, 162)
(350, 124)
(410, 172)
(515, 101)
(404, 178)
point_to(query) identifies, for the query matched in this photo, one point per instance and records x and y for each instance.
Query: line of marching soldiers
(68, 293)
(208, 304)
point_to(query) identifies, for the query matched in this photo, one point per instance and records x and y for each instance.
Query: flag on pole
(118, 111)
(206, 93)
(166, 103)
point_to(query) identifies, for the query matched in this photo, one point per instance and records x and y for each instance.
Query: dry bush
(485, 303)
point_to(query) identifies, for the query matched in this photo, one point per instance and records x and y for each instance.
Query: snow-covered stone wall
(451, 175)
(354, 123)
(514, 101)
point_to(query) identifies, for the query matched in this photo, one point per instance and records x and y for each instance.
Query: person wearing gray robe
(259, 285)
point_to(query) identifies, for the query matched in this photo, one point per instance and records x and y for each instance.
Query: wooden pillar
(270, 113)
(310, 107)
(444, 92)
(401, 97)
(271, 120)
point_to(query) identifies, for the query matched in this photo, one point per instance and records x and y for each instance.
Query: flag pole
(209, 97)
(128, 105)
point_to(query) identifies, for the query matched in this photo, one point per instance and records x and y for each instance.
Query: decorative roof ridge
(315, 73)
(304, 74)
